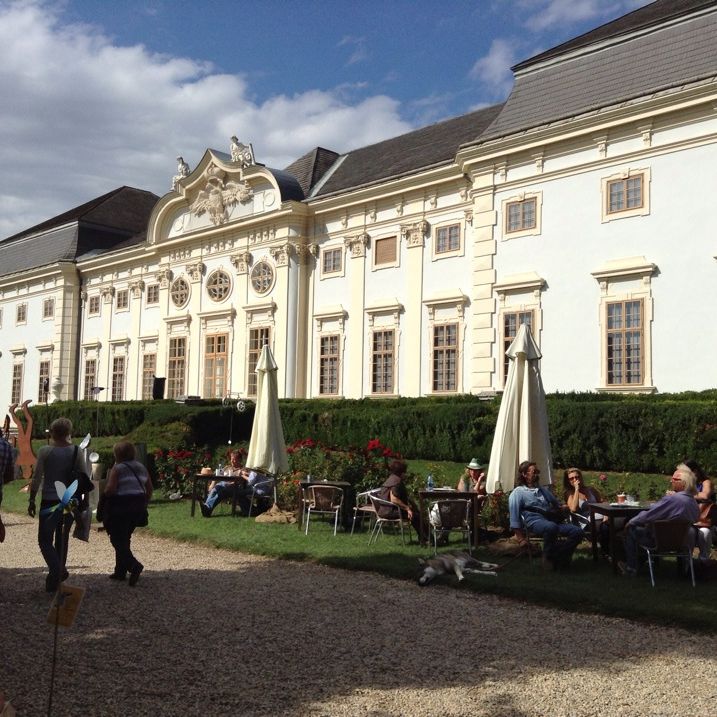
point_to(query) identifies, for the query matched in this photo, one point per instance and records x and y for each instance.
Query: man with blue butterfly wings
(56, 466)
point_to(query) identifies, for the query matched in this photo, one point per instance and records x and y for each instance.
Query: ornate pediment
(242, 153)
(219, 195)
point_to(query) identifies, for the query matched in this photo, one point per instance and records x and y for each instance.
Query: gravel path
(212, 632)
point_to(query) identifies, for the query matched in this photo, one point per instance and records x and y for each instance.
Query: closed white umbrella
(521, 431)
(267, 450)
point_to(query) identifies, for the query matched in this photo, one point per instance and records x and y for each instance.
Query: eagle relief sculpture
(218, 196)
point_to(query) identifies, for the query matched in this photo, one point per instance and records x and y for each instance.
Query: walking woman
(55, 462)
(127, 492)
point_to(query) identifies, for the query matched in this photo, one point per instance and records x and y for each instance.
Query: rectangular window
(90, 378)
(329, 365)
(153, 294)
(118, 364)
(16, 391)
(21, 315)
(512, 321)
(331, 260)
(520, 215)
(43, 384)
(448, 239)
(48, 308)
(624, 343)
(149, 368)
(382, 356)
(625, 194)
(215, 366)
(122, 299)
(93, 305)
(445, 357)
(176, 367)
(384, 251)
(257, 339)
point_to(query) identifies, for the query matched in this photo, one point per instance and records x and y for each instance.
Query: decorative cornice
(164, 276)
(136, 287)
(241, 262)
(259, 236)
(280, 254)
(414, 233)
(196, 270)
(357, 244)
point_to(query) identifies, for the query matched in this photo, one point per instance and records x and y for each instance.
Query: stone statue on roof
(242, 153)
(182, 172)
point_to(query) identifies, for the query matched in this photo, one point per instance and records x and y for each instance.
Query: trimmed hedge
(603, 432)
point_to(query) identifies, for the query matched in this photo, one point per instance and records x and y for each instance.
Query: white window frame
(48, 309)
(519, 199)
(151, 289)
(95, 298)
(122, 300)
(644, 210)
(340, 271)
(383, 316)
(619, 280)
(391, 264)
(21, 308)
(451, 252)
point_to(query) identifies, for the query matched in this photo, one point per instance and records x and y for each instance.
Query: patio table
(612, 511)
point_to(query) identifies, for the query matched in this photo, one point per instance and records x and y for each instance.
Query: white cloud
(359, 53)
(87, 116)
(493, 70)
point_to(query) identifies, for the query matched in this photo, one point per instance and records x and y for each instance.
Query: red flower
(373, 444)
(603, 477)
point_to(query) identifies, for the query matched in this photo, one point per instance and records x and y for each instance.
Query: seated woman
(394, 491)
(705, 497)
(578, 497)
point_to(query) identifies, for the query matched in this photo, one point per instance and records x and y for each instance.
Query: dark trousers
(52, 536)
(120, 530)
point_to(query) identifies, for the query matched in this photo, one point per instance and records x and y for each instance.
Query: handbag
(84, 483)
(708, 513)
(83, 521)
(143, 519)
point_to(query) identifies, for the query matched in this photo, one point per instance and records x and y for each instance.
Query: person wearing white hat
(474, 478)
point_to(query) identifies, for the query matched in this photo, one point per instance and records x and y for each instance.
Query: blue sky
(109, 93)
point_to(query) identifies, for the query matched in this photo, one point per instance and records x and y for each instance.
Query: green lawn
(587, 587)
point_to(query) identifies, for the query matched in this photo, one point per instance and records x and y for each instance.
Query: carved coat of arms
(219, 196)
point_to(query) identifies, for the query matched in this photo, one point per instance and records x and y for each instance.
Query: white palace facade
(580, 206)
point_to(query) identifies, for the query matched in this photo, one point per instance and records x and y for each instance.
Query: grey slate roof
(423, 148)
(310, 168)
(663, 58)
(653, 14)
(98, 225)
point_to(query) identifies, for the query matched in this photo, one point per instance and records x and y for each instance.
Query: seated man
(221, 489)
(248, 479)
(678, 504)
(530, 504)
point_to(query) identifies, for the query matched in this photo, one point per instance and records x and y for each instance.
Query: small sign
(66, 605)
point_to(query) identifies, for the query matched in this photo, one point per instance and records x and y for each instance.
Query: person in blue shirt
(530, 506)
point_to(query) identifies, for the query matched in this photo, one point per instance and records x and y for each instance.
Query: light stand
(96, 391)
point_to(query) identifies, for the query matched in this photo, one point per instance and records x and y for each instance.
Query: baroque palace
(580, 206)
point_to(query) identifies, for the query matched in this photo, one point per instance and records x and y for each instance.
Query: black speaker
(158, 388)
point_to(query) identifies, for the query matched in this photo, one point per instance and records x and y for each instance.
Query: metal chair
(397, 518)
(450, 514)
(260, 492)
(326, 499)
(364, 508)
(670, 538)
